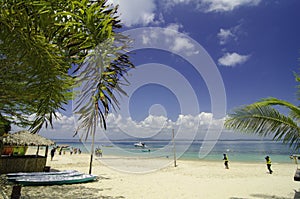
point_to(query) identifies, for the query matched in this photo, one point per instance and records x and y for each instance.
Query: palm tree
(41, 42)
(267, 118)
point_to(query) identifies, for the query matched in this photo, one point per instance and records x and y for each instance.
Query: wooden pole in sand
(174, 150)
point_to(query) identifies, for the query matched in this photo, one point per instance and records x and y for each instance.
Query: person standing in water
(269, 163)
(225, 161)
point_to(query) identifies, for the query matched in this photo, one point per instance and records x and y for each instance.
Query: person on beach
(269, 163)
(52, 153)
(295, 158)
(98, 152)
(225, 158)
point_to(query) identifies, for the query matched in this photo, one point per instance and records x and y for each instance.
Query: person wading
(269, 163)
(225, 158)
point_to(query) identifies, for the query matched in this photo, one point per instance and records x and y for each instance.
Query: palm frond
(41, 41)
(294, 111)
(297, 78)
(264, 120)
(99, 78)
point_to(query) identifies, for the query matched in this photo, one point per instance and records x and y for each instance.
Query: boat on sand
(50, 178)
(40, 173)
(55, 180)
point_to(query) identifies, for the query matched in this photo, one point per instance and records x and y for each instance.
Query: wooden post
(37, 152)
(46, 152)
(174, 150)
(16, 192)
(1, 145)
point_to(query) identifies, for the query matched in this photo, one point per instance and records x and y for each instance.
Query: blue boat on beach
(39, 173)
(51, 178)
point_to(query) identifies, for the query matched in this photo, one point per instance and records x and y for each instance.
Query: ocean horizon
(237, 150)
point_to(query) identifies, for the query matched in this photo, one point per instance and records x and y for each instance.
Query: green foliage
(40, 41)
(297, 78)
(262, 118)
(4, 125)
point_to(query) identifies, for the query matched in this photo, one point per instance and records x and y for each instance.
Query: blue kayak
(44, 176)
(55, 179)
(40, 173)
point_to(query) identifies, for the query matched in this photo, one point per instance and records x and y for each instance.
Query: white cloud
(178, 1)
(225, 35)
(161, 127)
(167, 4)
(64, 127)
(144, 12)
(226, 5)
(136, 12)
(182, 44)
(233, 59)
(213, 5)
(174, 26)
(172, 38)
(148, 127)
(119, 127)
(178, 43)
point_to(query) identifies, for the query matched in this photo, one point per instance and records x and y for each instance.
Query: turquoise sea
(237, 150)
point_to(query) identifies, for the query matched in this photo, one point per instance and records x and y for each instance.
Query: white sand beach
(190, 179)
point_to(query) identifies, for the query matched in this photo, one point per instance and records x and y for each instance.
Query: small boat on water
(140, 144)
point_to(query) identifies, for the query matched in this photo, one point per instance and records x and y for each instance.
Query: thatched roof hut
(25, 138)
(14, 159)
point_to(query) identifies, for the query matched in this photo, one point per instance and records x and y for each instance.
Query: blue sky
(254, 45)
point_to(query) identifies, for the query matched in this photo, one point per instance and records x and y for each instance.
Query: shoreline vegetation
(190, 179)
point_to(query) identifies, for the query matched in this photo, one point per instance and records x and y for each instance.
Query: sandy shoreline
(190, 179)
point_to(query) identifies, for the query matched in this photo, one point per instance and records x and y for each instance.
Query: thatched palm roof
(25, 138)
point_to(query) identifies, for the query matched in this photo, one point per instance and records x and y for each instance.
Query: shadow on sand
(297, 194)
(266, 196)
(75, 191)
(71, 191)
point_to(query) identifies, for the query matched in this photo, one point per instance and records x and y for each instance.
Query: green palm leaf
(262, 119)
(40, 41)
